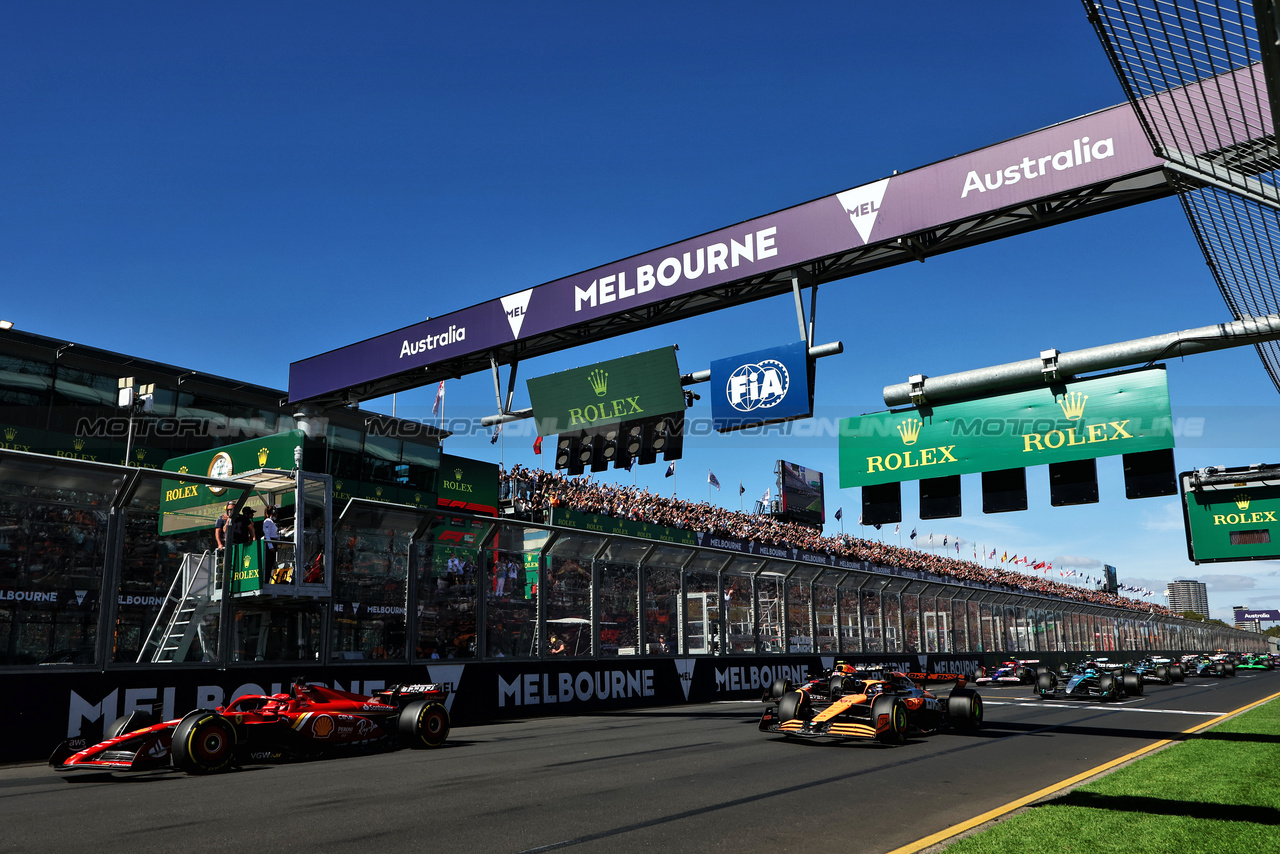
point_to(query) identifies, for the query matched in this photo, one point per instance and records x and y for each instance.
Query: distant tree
(1273, 632)
(1193, 615)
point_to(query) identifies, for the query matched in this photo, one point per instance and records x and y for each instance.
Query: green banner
(186, 506)
(625, 527)
(246, 574)
(1074, 420)
(468, 485)
(628, 389)
(1241, 523)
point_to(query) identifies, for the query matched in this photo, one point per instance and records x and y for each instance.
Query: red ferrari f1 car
(884, 706)
(307, 722)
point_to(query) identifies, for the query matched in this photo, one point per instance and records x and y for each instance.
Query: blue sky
(176, 175)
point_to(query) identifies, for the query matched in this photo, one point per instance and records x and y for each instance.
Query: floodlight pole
(1053, 366)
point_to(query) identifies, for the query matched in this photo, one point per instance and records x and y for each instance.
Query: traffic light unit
(622, 445)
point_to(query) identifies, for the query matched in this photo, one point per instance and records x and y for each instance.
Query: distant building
(1187, 595)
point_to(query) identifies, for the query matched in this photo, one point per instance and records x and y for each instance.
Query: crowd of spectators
(535, 491)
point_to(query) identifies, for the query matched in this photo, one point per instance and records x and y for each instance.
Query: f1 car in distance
(1090, 680)
(307, 722)
(1161, 670)
(1204, 665)
(1255, 661)
(1017, 672)
(876, 705)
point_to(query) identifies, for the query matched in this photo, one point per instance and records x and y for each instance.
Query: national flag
(1039, 565)
(897, 527)
(913, 533)
(712, 479)
(931, 538)
(537, 445)
(1004, 557)
(493, 440)
(1013, 559)
(741, 489)
(957, 545)
(877, 526)
(840, 515)
(992, 556)
(765, 500)
(671, 469)
(944, 541)
(435, 407)
(631, 463)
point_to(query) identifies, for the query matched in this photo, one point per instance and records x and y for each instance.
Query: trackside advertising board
(1240, 522)
(186, 506)
(1098, 148)
(763, 387)
(1075, 420)
(470, 485)
(628, 389)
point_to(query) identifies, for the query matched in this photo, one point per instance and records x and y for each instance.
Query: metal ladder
(189, 600)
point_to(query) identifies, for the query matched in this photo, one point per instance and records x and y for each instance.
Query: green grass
(1218, 792)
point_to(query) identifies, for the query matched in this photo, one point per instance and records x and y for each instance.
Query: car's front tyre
(204, 742)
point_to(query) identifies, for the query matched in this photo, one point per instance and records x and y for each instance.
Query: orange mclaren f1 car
(885, 706)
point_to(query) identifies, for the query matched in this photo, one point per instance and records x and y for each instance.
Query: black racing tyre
(779, 688)
(835, 687)
(1133, 684)
(893, 729)
(1107, 685)
(794, 706)
(128, 723)
(1230, 668)
(423, 723)
(1046, 684)
(964, 709)
(982, 671)
(204, 742)
(1163, 674)
(1177, 674)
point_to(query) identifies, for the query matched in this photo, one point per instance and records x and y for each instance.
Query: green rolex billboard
(1237, 518)
(628, 389)
(1074, 420)
(186, 506)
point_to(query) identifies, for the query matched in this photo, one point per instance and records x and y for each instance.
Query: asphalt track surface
(691, 778)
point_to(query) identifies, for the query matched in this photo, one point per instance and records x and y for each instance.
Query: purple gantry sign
(1100, 147)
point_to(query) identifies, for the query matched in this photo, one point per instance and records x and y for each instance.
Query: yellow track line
(956, 830)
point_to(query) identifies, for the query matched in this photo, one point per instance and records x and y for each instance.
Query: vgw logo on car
(758, 386)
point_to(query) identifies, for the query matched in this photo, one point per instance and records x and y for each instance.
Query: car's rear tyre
(1163, 675)
(1133, 684)
(835, 687)
(889, 717)
(1230, 668)
(423, 723)
(964, 709)
(779, 688)
(204, 742)
(794, 706)
(1177, 674)
(1046, 684)
(128, 723)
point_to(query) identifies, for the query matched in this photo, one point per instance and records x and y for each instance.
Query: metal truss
(1203, 85)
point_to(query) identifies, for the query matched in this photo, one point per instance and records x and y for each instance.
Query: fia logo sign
(758, 385)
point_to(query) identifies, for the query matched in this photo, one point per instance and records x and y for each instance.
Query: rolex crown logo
(1072, 405)
(910, 430)
(457, 474)
(182, 470)
(262, 457)
(10, 434)
(378, 492)
(599, 382)
(246, 561)
(337, 485)
(78, 444)
(141, 453)
(1242, 500)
